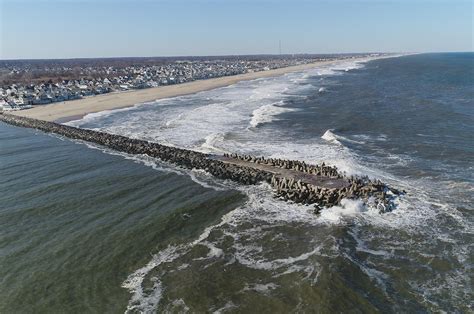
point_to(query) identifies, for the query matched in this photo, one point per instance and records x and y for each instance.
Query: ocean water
(86, 229)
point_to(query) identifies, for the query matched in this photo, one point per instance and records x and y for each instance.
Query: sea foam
(267, 113)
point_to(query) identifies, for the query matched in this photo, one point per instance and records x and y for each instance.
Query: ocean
(87, 229)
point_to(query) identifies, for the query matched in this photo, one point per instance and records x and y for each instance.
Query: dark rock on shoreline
(285, 188)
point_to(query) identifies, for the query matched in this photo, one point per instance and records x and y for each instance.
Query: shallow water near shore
(86, 229)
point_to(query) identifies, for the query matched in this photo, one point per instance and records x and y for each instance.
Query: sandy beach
(69, 110)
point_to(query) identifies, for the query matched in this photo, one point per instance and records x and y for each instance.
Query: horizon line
(201, 56)
(236, 55)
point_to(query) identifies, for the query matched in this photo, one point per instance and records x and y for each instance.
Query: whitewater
(281, 255)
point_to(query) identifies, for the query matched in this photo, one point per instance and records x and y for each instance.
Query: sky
(44, 29)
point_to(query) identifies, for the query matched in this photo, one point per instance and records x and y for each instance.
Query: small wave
(97, 116)
(362, 246)
(261, 288)
(90, 117)
(206, 180)
(174, 120)
(323, 72)
(210, 144)
(341, 66)
(371, 138)
(142, 301)
(330, 137)
(267, 113)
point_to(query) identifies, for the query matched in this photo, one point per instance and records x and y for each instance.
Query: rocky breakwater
(180, 157)
(321, 185)
(291, 180)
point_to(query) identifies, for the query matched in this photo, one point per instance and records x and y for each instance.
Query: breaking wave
(218, 121)
(267, 113)
(212, 141)
(330, 137)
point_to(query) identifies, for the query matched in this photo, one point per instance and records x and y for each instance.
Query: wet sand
(75, 109)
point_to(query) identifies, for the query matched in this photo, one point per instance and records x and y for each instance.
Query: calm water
(84, 229)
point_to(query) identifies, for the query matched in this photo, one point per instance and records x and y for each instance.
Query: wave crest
(267, 113)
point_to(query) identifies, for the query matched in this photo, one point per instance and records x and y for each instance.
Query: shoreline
(62, 112)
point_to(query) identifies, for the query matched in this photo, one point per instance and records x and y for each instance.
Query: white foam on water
(370, 138)
(261, 288)
(330, 137)
(267, 113)
(212, 142)
(267, 213)
(214, 252)
(188, 121)
(335, 68)
(227, 307)
(347, 208)
(140, 300)
(379, 277)
(246, 259)
(206, 180)
(245, 255)
(362, 247)
(96, 116)
(218, 121)
(179, 305)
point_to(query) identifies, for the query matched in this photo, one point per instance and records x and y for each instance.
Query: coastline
(75, 109)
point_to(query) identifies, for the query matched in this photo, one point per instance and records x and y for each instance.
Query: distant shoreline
(75, 109)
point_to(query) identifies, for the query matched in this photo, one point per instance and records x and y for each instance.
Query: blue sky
(113, 28)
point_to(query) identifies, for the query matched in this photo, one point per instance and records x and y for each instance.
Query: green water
(74, 222)
(89, 231)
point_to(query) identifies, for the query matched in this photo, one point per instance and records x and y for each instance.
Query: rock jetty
(291, 180)
(303, 190)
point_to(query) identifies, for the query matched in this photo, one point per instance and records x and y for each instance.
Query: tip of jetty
(291, 180)
(322, 185)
